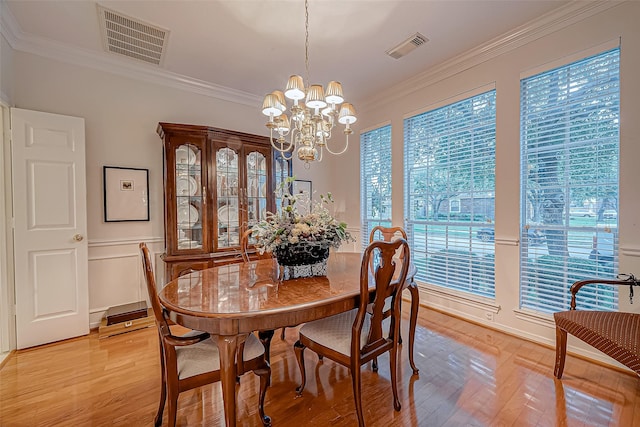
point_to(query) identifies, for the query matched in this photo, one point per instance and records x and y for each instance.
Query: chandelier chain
(306, 41)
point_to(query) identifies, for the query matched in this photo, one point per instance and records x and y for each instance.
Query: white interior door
(49, 199)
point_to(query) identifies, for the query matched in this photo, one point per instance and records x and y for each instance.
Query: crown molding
(573, 12)
(104, 61)
(8, 25)
(4, 99)
(555, 20)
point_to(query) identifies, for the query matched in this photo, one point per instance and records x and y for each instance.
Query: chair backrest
(388, 234)
(244, 247)
(389, 282)
(158, 312)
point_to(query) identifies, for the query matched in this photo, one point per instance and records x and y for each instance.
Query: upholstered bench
(616, 334)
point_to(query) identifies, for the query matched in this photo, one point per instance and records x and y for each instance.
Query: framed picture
(126, 194)
(303, 188)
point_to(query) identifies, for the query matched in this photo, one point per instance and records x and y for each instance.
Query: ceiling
(252, 46)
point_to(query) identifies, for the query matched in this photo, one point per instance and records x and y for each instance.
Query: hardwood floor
(469, 376)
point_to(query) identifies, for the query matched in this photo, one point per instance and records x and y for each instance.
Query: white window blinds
(569, 131)
(450, 193)
(375, 180)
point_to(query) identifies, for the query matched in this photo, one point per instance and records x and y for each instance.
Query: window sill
(478, 302)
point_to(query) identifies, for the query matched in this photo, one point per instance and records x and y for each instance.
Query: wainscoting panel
(115, 274)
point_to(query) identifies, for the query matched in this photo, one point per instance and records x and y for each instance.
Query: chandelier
(314, 113)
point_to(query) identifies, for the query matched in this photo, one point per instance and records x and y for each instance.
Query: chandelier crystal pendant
(313, 114)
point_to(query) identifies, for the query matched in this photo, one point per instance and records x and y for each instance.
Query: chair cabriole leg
(265, 338)
(561, 352)
(357, 392)
(413, 320)
(163, 387)
(299, 350)
(265, 381)
(393, 367)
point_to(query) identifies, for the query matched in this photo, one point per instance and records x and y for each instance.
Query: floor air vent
(127, 36)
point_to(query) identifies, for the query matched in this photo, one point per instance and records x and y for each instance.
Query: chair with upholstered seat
(356, 337)
(192, 360)
(388, 234)
(615, 333)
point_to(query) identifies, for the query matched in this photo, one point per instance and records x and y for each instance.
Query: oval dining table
(233, 300)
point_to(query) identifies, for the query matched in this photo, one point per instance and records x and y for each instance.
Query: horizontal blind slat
(569, 149)
(449, 186)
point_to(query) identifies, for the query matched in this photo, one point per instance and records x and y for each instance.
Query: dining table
(234, 300)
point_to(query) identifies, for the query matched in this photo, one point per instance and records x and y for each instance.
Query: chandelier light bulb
(271, 106)
(295, 88)
(282, 124)
(280, 97)
(334, 93)
(347, 114)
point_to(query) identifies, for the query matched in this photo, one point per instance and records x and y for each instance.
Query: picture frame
(126, 194)
(304, 188)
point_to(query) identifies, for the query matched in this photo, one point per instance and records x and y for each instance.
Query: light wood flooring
(469, 376)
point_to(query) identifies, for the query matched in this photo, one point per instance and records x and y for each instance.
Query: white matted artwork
(303, 190)
(126, 194)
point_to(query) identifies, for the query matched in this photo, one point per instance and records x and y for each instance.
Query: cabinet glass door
(256, 187)
(189, 197)
(228, 197)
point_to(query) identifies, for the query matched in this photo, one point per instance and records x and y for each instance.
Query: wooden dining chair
(245, 246)
(356, 337)
(192, 360)
(389, 234)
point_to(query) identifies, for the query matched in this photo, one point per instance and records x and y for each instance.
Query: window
(569, 131)
(375, 180)
(449, 193)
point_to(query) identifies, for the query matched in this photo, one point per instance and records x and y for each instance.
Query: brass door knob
(78, 237)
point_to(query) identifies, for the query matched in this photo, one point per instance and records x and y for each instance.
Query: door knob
(78, 237)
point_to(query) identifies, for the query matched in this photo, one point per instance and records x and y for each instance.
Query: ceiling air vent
(407, 46)
(130, 37)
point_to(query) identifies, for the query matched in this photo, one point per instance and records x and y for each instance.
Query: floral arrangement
(289, 227)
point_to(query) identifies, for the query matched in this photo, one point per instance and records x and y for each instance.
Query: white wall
(504, 70)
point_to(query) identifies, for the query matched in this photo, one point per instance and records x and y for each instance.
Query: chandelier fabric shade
(313, 114)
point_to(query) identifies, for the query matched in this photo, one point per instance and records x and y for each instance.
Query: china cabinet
(217, 183)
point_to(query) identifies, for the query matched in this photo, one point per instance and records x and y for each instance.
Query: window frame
(375, 142)
(458, 266)
(545, 278)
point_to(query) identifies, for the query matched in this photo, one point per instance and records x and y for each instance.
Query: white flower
(289, 227)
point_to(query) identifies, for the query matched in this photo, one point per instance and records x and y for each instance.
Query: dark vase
(301, 254)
